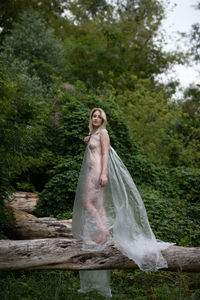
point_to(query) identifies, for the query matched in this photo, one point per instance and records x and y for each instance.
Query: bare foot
(103, 237)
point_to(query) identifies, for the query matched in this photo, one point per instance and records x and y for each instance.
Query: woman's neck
(95, 130)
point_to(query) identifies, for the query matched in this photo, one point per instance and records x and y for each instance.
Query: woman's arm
(105, 142)
(86, 139)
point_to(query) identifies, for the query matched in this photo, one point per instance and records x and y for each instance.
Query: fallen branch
(24, 201)
(67, 254)
(30, 227)
(41, 228)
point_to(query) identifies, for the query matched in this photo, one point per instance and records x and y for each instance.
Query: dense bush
(6, 220)
(172, 219)
(6, 216)
(58, 194)
(26, 99)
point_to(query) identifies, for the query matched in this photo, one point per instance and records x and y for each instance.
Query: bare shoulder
(104, 132)
(105, 139)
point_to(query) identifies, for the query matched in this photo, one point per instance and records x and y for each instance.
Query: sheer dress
(116, 208)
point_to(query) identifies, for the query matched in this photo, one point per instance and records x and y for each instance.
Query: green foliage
(25, 186)
(6, 216)
(195, 38)
(189, 183)
(187, 128)
(66, 215)
(167, 131)
(125, 284)
(103, 45)
(26, 101)
(86, 10)
(21, 123)
(6, 221)
(172, 219)
(58, 193)
(148, 113)
(35, 45)
(51, 12)
(74, 125)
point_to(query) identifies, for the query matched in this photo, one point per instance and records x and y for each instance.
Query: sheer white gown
(116, 208)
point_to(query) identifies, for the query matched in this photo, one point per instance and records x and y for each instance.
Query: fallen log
(25, 201)
(27, 226)
(67, 254)
(41, 228)
(21, 215)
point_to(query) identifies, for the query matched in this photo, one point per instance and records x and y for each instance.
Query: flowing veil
(125, 217)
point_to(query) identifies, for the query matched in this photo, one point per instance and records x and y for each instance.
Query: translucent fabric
(114, 213)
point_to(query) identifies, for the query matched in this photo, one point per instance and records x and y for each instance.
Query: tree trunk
(27, 226)
(41, 228)
(67, 254)
(24, 201)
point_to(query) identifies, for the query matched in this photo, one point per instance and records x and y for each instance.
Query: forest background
(58, 60)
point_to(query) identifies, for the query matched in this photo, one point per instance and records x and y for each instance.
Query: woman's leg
(94, 204)
(99, 205)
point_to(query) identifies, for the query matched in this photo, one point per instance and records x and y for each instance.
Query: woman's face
(97, 119)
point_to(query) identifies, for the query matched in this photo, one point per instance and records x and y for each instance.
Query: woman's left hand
(86, 139)
(103, 179)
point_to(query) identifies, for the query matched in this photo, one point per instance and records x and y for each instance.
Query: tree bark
(66, 254)
(27, 226)
(41, 228)
(24, 201)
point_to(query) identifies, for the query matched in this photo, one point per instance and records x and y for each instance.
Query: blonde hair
(104, 119)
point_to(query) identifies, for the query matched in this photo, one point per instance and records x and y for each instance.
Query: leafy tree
(84, 10)
(26, 101)
(182, 134)
(195, 38)
(50, 11)
(21, 101)
(36, 46)
(189, 127)
(117, 40)
(166, 130)
(149, 113)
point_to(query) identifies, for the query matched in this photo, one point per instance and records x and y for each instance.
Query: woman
(109, 208)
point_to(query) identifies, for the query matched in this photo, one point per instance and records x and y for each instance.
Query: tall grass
(126, 285)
